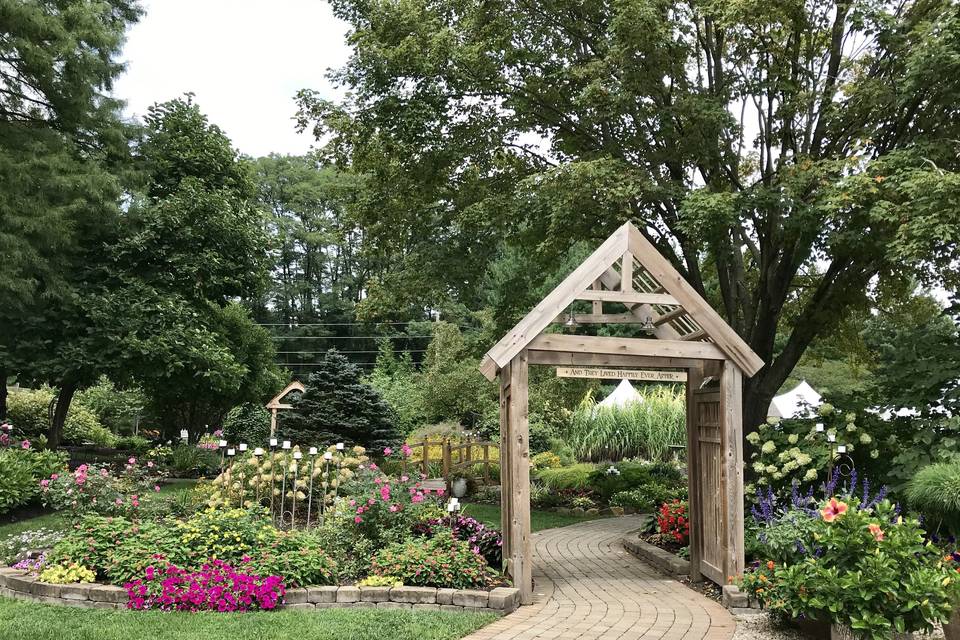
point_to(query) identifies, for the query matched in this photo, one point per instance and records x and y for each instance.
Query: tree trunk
(55, 435)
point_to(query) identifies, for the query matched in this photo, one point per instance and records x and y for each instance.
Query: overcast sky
(244, 60)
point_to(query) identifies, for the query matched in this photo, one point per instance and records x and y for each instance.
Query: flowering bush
(22, 468)
(442, 561)
(482, 539)
(93, 488)
(866, 568)
(672, 521)
(788, 451)
(217, 586)
(66, 574)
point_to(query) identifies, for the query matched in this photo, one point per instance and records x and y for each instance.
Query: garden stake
(256, 456)
(327, 456)
(283, 486)
(313, 464)
(273, 443)
(296, 469)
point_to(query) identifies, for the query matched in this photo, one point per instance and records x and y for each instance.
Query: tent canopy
(799, 402)
(620, 397)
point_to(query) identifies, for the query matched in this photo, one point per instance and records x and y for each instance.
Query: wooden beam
(604, 318)
(557, 300)
(694, 482)
(731, 418)
(562, 358)
(626, 272)
(506, 480)
(597, 305)
(521, 552)
(628, 297)
(641, 311)
(600, 373)
(668, 277)
(488, 368)
(696, 335)
(673, 314)
(628, 346)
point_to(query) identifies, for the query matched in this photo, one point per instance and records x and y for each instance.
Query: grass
(539, 520)
(646, 429)
(29, 621)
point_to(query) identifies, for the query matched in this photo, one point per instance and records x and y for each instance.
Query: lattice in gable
(644, 282)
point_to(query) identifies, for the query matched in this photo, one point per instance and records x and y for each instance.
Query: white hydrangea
(768, 447)
(758, 467)
(865, 438)
(753, 437)
(790, 466)
(803, 459)
(875, 454)
(851, 428)
(793, 438)
(851, 417)
(772, 420)
(771, 469)
(810, 475)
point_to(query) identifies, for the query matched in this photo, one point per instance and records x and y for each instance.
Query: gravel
(760, 626)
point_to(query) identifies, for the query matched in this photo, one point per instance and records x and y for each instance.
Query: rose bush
(442, 561)
(94, 488)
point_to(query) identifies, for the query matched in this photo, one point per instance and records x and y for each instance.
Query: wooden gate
(707, 464)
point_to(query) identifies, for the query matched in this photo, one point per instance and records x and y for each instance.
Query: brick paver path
(589, 587)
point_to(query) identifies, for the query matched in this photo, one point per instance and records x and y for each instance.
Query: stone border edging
(662, 560)
(501, 600)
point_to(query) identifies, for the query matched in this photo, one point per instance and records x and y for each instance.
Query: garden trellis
(628, 271)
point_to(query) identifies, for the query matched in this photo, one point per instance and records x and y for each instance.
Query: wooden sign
(622, 374)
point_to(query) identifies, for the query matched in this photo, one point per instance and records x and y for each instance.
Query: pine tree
(338, 407)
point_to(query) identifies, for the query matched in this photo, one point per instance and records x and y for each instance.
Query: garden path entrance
(589, 587)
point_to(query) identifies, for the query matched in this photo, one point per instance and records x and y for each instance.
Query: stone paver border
(663, 560)
(502, 600)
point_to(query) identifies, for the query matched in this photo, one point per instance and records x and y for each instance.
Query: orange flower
(834, 509)
(770, 564)
(875, 531)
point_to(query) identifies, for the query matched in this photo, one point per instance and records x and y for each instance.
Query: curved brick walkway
(589, 587)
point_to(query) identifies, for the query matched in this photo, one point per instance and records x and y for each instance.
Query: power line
(357, 351)
(397, 337)
(332, 324)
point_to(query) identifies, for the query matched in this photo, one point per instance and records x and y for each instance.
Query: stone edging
(501, 600)
(663, 560)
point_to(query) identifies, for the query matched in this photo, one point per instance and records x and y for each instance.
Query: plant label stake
(296, 470)
(273, 444)
(256, 456)
(313, 463)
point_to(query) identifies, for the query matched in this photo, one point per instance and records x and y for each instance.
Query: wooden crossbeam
(628, 297)
(696, 335)
(627, 346)
(673, 314)
(597, 304)
(603, 318)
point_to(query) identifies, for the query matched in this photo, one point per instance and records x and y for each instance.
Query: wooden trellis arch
(628, 271)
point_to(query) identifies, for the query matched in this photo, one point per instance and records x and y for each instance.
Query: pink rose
(44, 483)
(387, 451)
(393, 508)
(132, 460)
(25, 444)
(440, 492)
(156, 487)
(54, 476)
(404, 478)
(358, 519)
(118, 502)
(150, 464)
(373, 466)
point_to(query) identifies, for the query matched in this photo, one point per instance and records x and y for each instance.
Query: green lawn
(490, 515)
(29, 621)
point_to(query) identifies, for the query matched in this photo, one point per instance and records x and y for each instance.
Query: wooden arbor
(277, 403)
(626, 270)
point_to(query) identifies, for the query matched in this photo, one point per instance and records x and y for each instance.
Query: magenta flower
(25, 444)
(387, 451)
(357, 519)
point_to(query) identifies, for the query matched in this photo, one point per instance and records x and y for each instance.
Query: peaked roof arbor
(627, 269)
(628, 272)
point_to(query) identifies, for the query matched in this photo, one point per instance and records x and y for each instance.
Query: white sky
(244, 60)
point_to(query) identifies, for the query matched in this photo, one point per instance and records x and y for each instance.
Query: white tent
(620, 397)
(799, 402)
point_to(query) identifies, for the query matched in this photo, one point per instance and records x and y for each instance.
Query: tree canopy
(790, 159)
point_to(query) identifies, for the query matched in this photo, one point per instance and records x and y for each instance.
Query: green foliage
(187, 461)
(300, 558)
(454, 388)
(337, 407)
(645, 429)
(872, 572)
(249, 423)
(29, 411)
(608, 480)
(935, 492)
(441, 561)
(117, 409)
(20, 474)
(401, 386)
(577, 476)
(545, 460)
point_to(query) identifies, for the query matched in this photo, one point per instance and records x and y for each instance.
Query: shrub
(93, 488)
(441, 561)
(29, 411)
(21, 471)
(608, 480)
(483, 539)
(298, 557)
(217, 586)
(672, 521)
(868, 569)
(224, 534)
(136, 444)
(576, 476)
(187, 461)
(116, 409)
(248, 422)
(545, 460)
(935, 492)
(647, 497)
(69, 574)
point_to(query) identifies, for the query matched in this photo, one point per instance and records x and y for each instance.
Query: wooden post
(273, 422)
(506, 485)
(731, 415)
(694, 378)
(521, 560)
(425, 458)
(447, 465)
